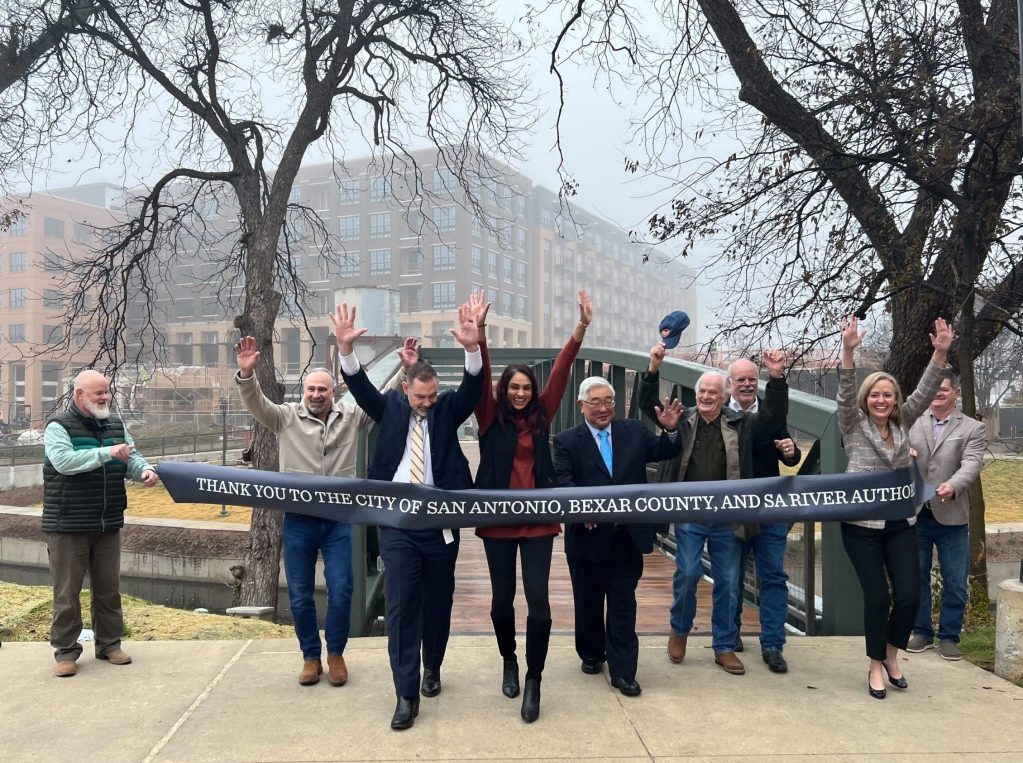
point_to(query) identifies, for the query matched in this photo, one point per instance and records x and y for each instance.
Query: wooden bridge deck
(471, 613)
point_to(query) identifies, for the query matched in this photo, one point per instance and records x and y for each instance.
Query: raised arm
(557, 383)
(848, 412)
(917, 403)
(486, 406)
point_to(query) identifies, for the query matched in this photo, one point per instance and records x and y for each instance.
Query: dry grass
(27, 611)
(156, 502)
(1001, 480)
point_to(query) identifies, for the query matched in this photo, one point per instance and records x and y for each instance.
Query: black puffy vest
(92, 501)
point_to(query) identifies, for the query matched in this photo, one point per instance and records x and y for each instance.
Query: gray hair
(320, 370)
(591, 382)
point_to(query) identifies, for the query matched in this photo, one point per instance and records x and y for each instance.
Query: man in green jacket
(87, 454)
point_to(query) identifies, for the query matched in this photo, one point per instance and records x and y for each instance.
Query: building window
(477, 260)
(380, 225)
(379, 262)
(350, 192)
(83, 234)
(477, 226)
(53, 299)
(506, 234)
(19, 262)
(16, 332)
(444, 180)
(443, 257)
(295, 195)
(17, 297)
(506, 302)
(379, 189)
(492, 298)
(492, 264)
(19, 227)
(210, 308)
(183, 309)
(52, 263)
(81, 337)
(349, 228)
(444, 218)
(520, 273)
(412, 329)
(350, 265)
(411, 299)
(546, 216)
(522, 239)
(444, 295)
(412, 261)
(520, 306)
(507, 268)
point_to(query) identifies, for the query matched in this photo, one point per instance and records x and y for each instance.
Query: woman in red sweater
(514, 434)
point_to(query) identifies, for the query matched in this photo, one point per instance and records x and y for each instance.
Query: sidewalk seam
(165, 740)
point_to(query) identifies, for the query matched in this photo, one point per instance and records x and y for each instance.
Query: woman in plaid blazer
(875, 424)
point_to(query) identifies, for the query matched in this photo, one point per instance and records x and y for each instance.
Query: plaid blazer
(863, 444)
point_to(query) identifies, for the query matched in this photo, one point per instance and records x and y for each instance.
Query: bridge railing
(824, 597)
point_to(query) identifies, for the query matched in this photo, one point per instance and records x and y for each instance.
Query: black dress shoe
(431, 682)
(775, 662)
(510, 679)
(627, 686)
(531, 700)
(898, 683)
(875, 693)
(405, 713)
(591, 667)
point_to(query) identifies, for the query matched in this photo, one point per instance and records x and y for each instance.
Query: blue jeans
(724, 549)
(953, 542)
(303, 539)
(769, 546)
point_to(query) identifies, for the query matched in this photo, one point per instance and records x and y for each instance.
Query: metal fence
(150, 447)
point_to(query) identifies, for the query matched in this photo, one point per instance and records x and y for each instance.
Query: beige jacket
(305, 444)
(957, 459)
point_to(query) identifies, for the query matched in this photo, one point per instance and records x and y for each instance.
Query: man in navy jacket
(606, 560)
(417, 442)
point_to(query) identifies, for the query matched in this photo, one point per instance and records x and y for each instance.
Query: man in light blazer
(950, 452)
(605, 560)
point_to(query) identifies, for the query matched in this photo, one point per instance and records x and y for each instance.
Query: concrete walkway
(240, 701)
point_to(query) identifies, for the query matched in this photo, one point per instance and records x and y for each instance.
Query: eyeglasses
(600, 403)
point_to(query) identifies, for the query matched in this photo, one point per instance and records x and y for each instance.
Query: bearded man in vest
(88, 453)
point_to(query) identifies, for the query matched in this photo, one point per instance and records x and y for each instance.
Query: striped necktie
(417, 451)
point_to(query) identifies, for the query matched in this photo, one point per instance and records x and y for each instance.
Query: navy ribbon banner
(888, 495)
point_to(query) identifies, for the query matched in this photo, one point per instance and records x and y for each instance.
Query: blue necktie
(605, 448)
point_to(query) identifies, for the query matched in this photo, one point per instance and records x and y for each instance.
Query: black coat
(577, 462)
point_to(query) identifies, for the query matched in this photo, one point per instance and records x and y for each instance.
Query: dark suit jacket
(577, 462)
(391, 411)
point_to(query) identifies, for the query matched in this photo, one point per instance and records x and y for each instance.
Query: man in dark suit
(606, 560)
(769, 540)
(417, 443)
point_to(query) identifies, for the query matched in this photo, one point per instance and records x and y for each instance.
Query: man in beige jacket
(317, 436)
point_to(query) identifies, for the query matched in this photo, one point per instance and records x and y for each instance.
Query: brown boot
(310, 674)
(677, 647)
(65, 669)
(730, 662)
(115, 657)
(337, 671)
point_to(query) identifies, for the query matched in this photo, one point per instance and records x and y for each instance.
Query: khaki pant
(71, 556)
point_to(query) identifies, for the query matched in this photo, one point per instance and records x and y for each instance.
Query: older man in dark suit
(949, 449)
(417, 443)
(606, 560)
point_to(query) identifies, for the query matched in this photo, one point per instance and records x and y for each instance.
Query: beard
(101, 412)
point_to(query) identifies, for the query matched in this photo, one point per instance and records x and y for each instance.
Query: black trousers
(419, 569)
(886, 564)
(613, 580)
(536, 572)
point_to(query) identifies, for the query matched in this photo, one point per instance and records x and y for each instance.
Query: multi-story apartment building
(38, 350)
(418, 234)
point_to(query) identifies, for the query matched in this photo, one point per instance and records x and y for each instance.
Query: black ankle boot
(531, 700)
(510, 679)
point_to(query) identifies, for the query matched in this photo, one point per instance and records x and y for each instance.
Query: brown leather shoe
(311, 670)
(115, 657)
(730, 662)
(65, 669)
(337, 671)
(677, 647)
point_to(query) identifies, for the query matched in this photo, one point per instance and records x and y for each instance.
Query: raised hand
(585, 308)
(942, 337)
(343, 321)
(669, 414)
(247, 355)
(774, 361)
(409, 353)
(656, 357)
(785, 447)
(851, 335)
(479, 308)
(466, 332)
